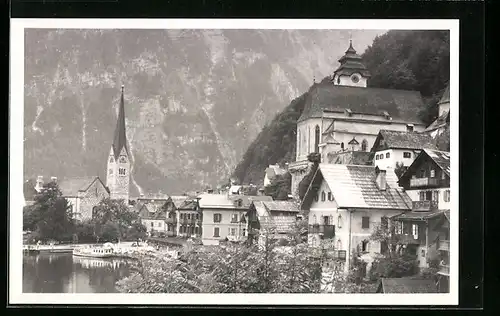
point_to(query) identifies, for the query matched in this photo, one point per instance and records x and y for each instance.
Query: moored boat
(94, 252)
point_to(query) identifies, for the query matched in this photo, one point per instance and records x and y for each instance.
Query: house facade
(224, 216)
(274, 220)
(344, 114)
(393, 147)
(346, 203)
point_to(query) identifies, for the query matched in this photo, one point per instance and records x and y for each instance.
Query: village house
(425, 230)
(443, 119)
(345, 114)
(271, 172)
(346, 203)
(393, 147)
(152, 213)
(224, 216)
(266, 219)
(190, 219)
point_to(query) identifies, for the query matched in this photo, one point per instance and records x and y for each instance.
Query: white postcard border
(16, 165)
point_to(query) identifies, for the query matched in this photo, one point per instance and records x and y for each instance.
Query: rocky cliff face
(194, 99)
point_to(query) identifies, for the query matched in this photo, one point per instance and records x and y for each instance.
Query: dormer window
(386, 115)
(409, 127)
(348, 112)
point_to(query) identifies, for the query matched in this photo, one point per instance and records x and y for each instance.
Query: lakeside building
(345, 114)
(346, 203)
(271, 219)
(224, 216)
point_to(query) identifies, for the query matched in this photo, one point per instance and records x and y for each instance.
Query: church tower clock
(118, 171)
(351, 72)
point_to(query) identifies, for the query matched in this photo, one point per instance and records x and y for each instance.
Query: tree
(112, 219)
(50, 215)
(280, 187)
(400, 169)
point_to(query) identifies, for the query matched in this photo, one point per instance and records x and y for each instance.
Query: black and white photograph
(234, 157)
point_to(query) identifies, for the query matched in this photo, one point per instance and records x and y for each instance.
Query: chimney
(381, 180)
(53, 179)
(210, 191)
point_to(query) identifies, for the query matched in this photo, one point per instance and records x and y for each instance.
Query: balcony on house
(425, 205)
(410, 239)
(327, 231)
(444, 245)
(424, 182)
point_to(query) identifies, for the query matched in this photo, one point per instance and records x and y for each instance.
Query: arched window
(111, 159)
(123, 159)
(316, 139)
(342, 145)
(323, 196)
(364, 145)
(339, 221)
(330, 196)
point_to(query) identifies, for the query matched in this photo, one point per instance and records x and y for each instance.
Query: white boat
(94, 252)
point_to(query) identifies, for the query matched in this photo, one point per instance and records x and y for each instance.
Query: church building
(344, 114)
(118, 169)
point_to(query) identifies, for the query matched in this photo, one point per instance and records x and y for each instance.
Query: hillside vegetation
(411, 60)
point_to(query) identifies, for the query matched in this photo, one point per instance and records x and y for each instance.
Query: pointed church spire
(120, 138)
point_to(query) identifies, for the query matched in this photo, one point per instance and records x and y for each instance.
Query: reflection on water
(64, 273)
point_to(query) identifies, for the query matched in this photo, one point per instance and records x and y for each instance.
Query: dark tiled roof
(282, 224)
(441, 158)
(407, 140)
(354, 187)
(401, 105)
(439, 122)
(350, 63)
(419, 215)
(281, 206)
(71, 186)
(407, 285)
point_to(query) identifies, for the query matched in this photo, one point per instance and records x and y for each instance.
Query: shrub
(393, 267)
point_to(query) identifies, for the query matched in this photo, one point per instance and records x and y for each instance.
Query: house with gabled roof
(345, 114)
(393, 147)
(426, 229)
(346, 203)
(83, 194)
(443, 120)
(271, 219)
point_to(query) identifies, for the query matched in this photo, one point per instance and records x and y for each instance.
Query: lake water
(63, 273)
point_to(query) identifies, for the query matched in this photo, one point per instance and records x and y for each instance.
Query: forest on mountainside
(410, 60)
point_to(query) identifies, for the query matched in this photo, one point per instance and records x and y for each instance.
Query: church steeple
(118, 171)
(352, 71)
(120, 138)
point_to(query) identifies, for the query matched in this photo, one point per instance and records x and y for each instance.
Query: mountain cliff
(194, 99)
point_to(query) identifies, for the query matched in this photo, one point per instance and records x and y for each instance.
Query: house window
(121, 171)
(384, 222)
(217, 218)
(443, 175)
(152, 224)
(197, 216)
(365, 222)
(316, 197)
(159, 224)
(414, 228)
(188, 216)
(243, 232)
(428, 195)
(364, 246)
(364, 145)
(435, 195)
(123, 160)
(376, 157)
(433, 173)
(387, 155)
(94, 212)
(339, 221)
(323, 196)
(339, 244)
(326, 220)
(216, 232)
(399, 228)
(330, 196)
(447, 196)
(111, 160)
(407, 154)
(315, 220)
(409, 128)
(234, 218)
(232, 232)
(422, 173)
(342, 145)
(422, 195)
